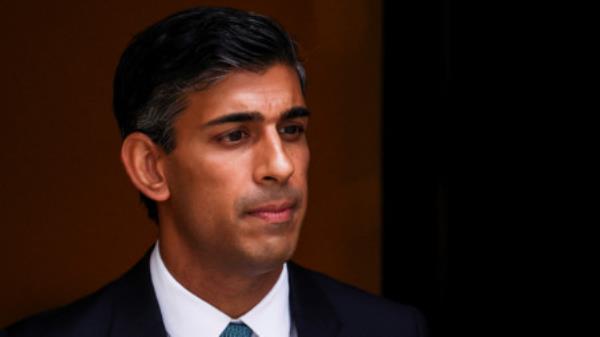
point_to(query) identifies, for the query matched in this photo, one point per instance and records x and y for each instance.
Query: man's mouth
(274, 217)
(275, 212)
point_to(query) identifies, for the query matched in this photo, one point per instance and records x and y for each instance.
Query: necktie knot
(236, 330)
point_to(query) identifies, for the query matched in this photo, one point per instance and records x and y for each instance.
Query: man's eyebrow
(236, 117)
(253, 116)
(295, 112)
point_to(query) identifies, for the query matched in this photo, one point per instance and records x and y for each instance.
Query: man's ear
(143, 162)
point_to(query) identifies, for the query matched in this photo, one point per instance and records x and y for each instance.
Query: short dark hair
(186, 52)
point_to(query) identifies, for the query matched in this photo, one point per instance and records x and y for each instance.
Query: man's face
(238, 174)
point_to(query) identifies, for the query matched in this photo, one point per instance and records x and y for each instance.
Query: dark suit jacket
(320, 307)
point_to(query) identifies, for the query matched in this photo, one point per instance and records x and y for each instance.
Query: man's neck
(233, 293)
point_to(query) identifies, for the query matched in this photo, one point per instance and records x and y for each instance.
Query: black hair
(190, 51)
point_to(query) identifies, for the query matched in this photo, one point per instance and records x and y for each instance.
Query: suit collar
(136, 310)
(312, 313)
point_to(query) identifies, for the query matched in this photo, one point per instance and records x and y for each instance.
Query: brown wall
(71, 220)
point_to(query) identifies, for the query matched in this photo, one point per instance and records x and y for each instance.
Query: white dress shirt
(187, 315)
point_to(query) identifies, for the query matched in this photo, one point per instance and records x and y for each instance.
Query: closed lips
(273, 207)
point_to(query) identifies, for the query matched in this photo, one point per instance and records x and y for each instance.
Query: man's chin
(268, 259)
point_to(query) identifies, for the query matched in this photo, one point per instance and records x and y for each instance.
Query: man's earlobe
(142, 160)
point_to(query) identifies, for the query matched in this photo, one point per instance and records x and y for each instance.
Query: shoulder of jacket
(89, 313)
(360, 309)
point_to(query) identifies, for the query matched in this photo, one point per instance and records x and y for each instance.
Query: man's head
(186, 52)
(211, 109)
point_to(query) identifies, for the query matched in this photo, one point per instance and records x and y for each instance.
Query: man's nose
(273, 162)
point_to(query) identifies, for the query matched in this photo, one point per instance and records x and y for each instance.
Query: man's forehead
(269, 98)
(278, 80)
(272, 91)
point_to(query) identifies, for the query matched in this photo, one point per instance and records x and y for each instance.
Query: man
(210, 104)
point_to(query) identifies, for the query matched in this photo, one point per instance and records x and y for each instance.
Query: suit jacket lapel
(312, 313)
(136, 311)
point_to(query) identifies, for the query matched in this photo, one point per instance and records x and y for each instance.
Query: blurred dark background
(497, 96)
(417, 74)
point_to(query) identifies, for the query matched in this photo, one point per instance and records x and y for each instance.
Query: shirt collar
(185, 314)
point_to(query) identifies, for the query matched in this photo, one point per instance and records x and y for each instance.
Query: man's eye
(293, 129)
(234, 136)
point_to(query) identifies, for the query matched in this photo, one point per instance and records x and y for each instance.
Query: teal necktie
(237, 330)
